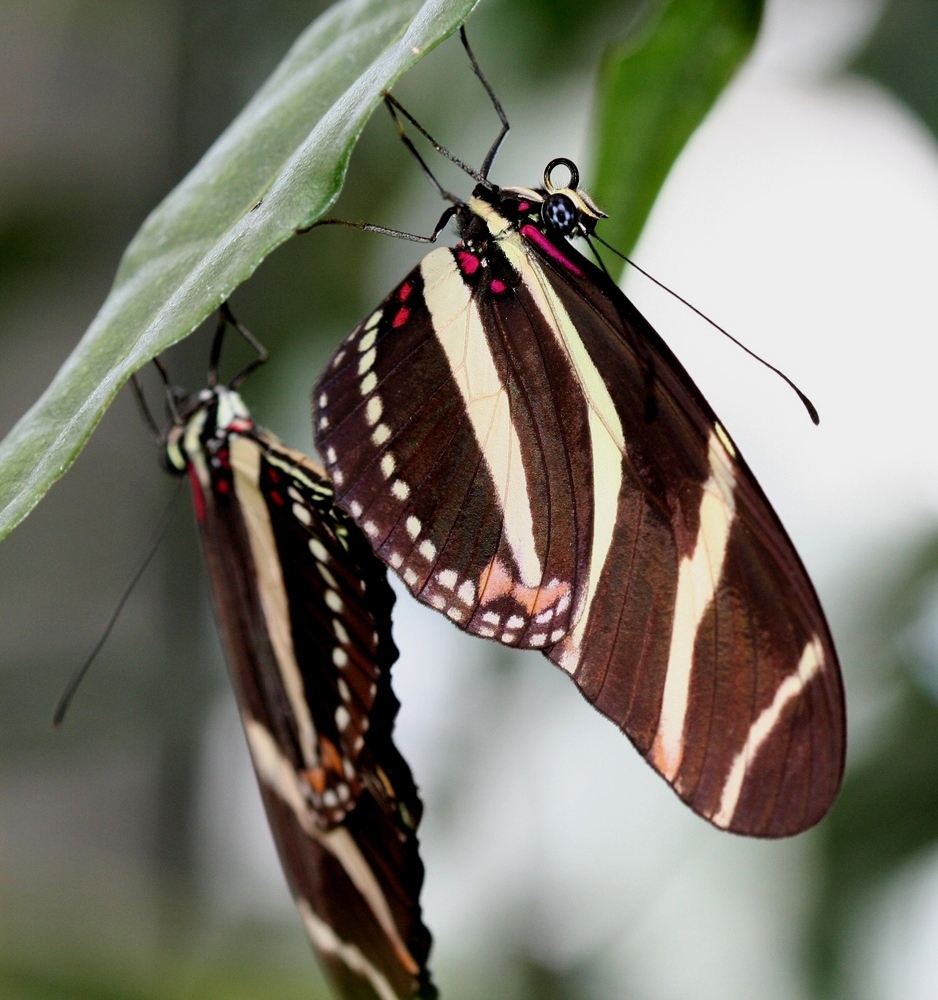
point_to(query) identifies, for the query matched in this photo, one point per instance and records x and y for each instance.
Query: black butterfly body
(523, 449)
(304, 611)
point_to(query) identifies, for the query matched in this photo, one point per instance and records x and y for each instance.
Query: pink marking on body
(198, 497)
(536, 236)
(524, 206)
(404, 294)
(468, 262)
(403, 314)
(497, 286)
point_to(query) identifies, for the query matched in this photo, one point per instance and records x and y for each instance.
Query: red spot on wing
(524, 206)
(405, 290)
(536, 236)
(403, 314)
(277, 499)
(198, 497)
(468, 262)
(497, 286)
(274, 475)
(222, 486)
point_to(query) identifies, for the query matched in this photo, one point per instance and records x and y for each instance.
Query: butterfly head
(567, 209)
(205, 421)
(559, 209)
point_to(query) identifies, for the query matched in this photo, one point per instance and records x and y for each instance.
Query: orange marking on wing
(496, 581)
(545, 597)
(331, 758)
(316, 776)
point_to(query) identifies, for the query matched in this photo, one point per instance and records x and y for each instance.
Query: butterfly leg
(397, 233)
(405, 138)
(496, 103)
(226, 318)
(442, 150)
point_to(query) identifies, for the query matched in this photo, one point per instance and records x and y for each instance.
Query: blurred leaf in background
(654, 90)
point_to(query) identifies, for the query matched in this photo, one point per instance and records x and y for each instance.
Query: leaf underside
(275, 169)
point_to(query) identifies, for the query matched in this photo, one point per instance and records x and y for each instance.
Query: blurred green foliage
(901, 55)
(654, 90)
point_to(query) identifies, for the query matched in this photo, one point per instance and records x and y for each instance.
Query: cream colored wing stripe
(458, 328)
(278, 774)
(607, 437)
(698, 578)
(329, 943)
(812, 659)
(246, 466)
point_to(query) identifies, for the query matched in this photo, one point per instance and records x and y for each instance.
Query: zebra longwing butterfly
(525, 451)
(304, 611)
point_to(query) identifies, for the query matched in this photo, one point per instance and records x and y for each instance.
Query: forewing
(447, 423)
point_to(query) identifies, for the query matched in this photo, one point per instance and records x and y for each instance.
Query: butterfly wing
(700, 633)
(304, 611)
(449, 450)
(565, 487)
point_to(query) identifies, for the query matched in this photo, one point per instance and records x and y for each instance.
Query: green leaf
(655, 89)
(277, 168)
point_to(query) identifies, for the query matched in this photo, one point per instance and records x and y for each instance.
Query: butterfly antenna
(496, 103)
(405, 138)
(808, 405)
(79, 675)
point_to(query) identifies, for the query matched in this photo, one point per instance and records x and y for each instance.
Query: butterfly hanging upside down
(304, 612)
(528, 455)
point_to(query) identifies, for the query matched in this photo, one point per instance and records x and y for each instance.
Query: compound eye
(560, 213)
